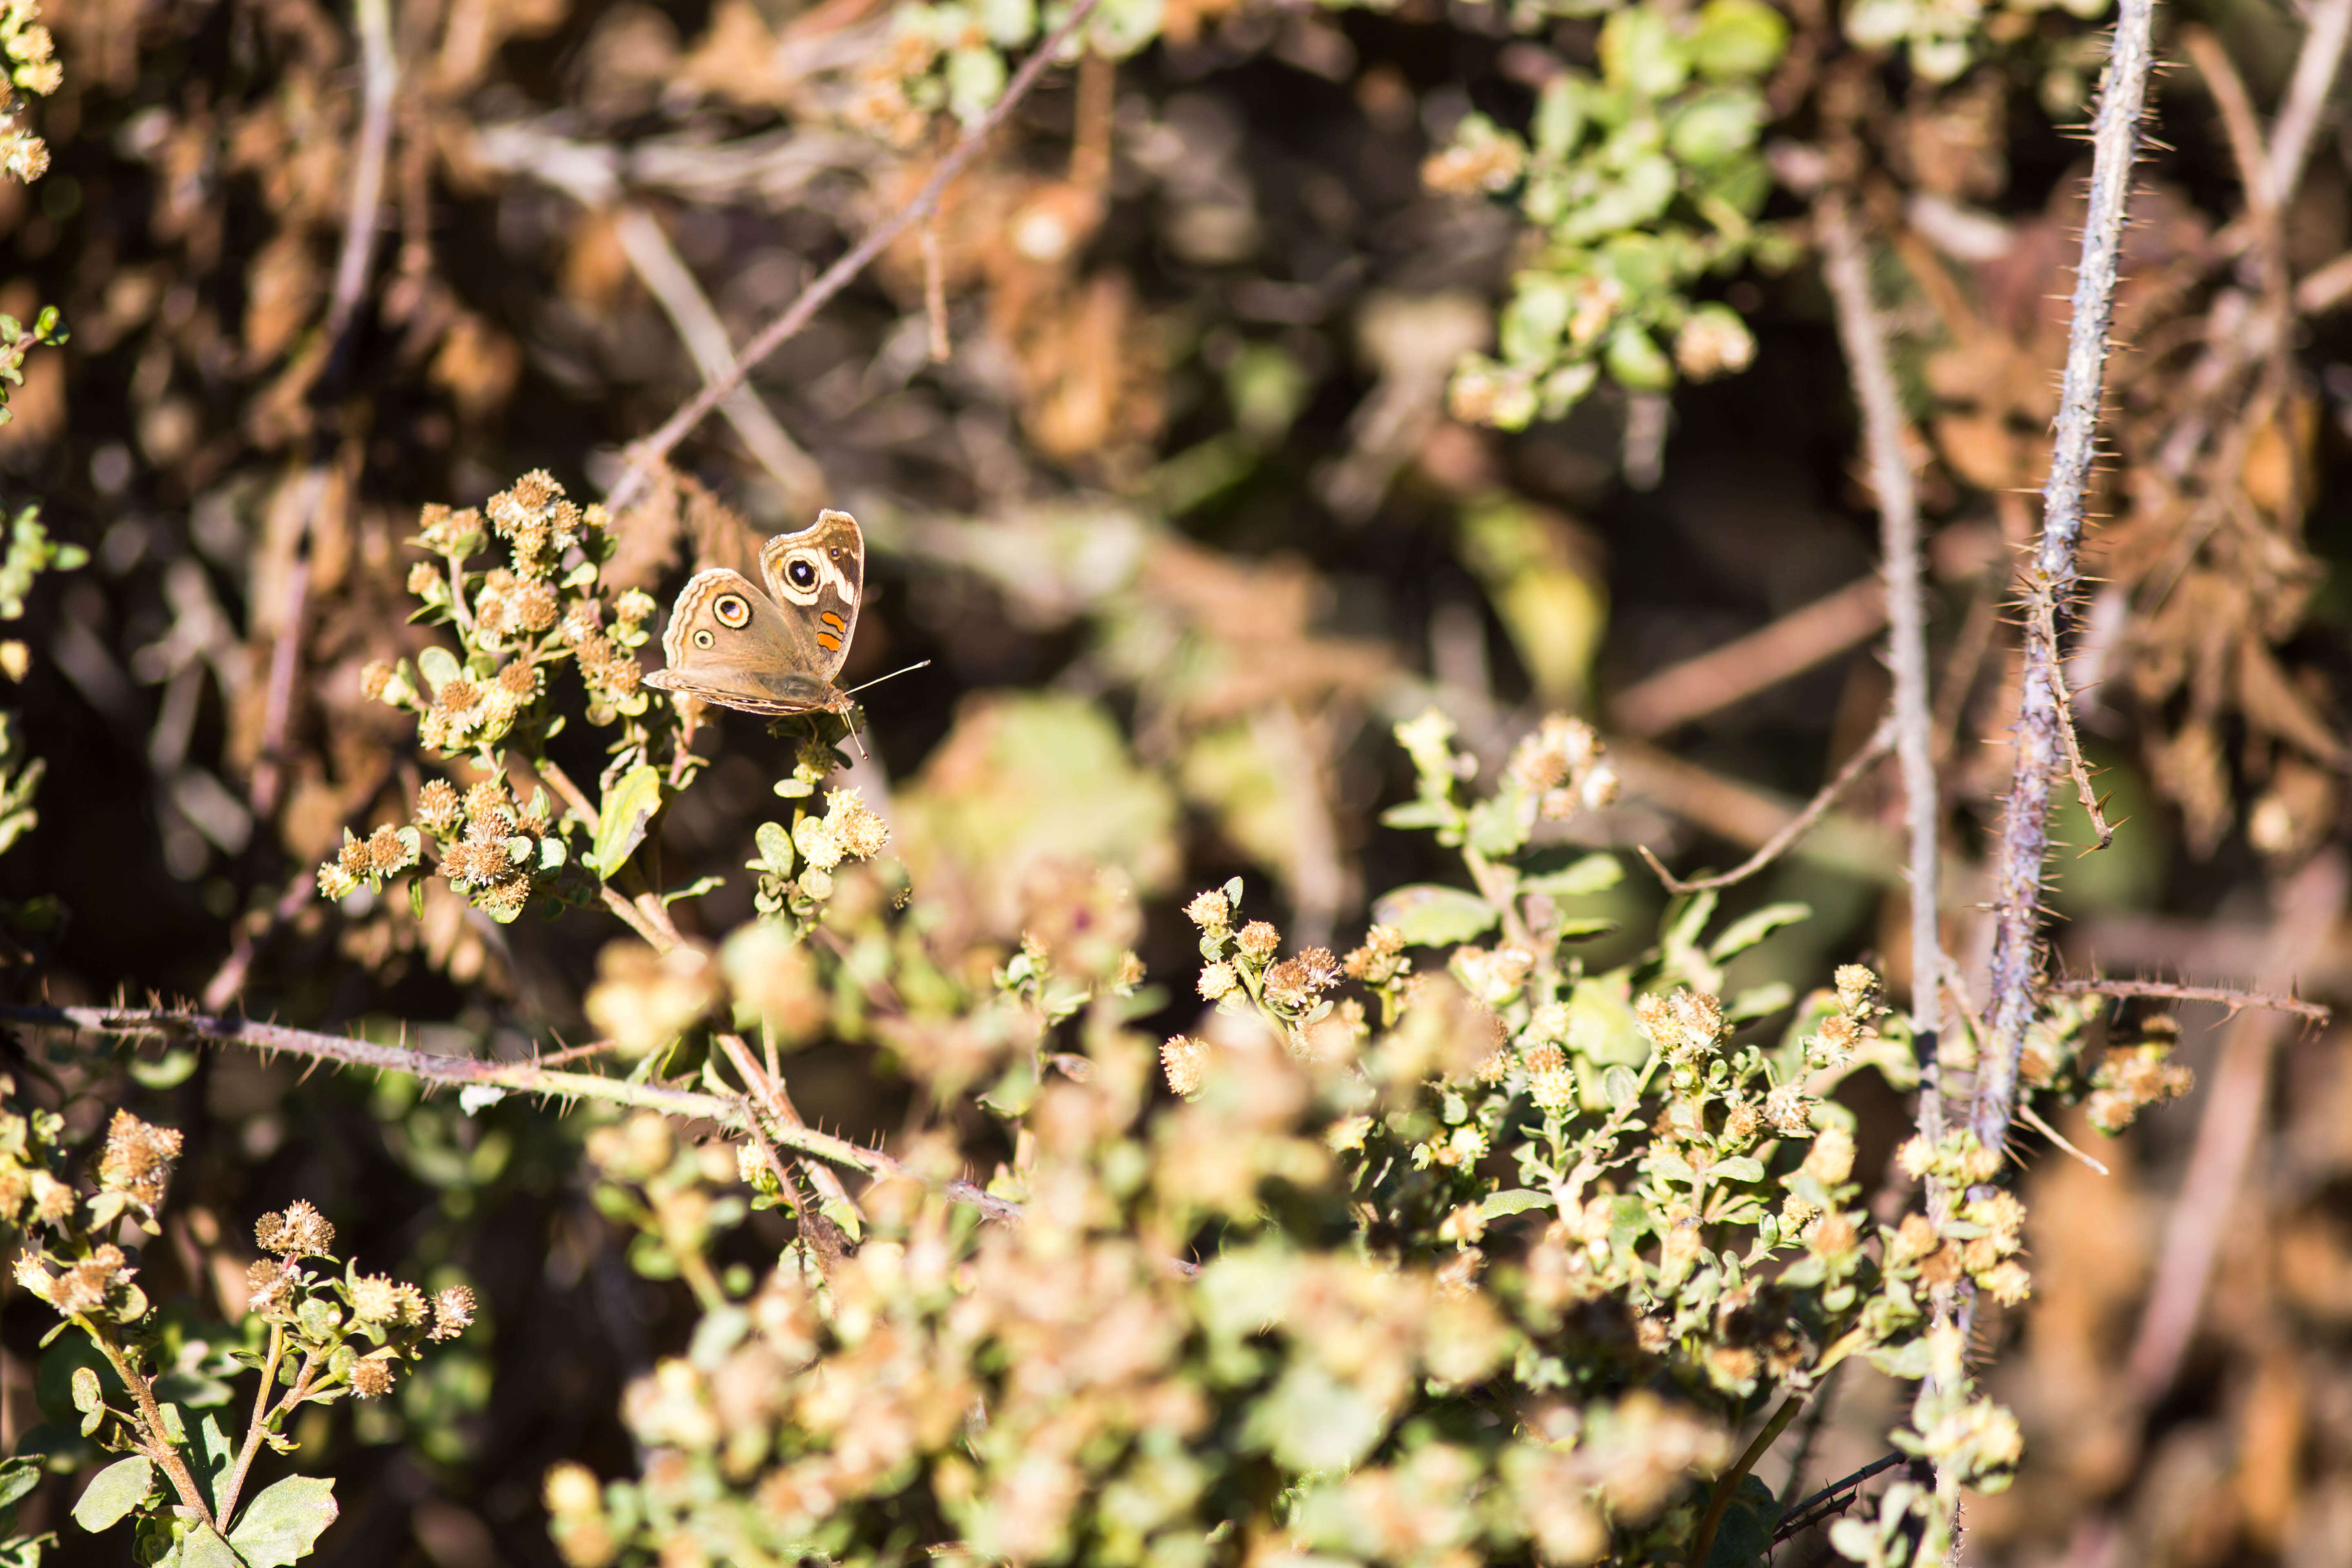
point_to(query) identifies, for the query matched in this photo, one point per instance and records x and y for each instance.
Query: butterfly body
(774, 652)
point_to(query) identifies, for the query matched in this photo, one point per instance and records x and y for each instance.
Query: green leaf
(417, 896)
(1740, 1168)
(1758, 1001)
(1744, 1535)
(1908, 1361)
(86, 1395)
(113, 1492)
(1592, 874)
(1688, 921)
(1311, 1421)
(1428, 915)
(215, 1456)
(438, 666)
(1496, 828)
(1584, 931)
(1737, 38)
(17, 1477)
(628, 804)
(204, 1548)
(1754, 926)
(775, 848)
(1517, 1200)
(1421, 813)
(167, 1071)
(1639, 50)
(1620, 1086)
(282, 1524)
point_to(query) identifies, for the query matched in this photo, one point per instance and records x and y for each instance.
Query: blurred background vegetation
(1201, 496)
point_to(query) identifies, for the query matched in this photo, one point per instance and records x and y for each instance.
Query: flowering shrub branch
(325, 1337)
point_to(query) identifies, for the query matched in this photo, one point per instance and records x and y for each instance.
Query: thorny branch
(528, 1077)
(649, 454)
(2233, 1000)
(2053, 574)
(1881, 739)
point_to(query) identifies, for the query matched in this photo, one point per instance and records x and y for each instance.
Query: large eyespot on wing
(732, 611)
(803, 571)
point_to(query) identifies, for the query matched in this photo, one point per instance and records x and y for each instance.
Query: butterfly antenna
(892, 675)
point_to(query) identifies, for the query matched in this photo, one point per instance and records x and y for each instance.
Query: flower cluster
(321, 1324)
(1241, 974)
(31, 67)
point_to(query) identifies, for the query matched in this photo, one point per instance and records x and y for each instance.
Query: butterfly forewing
(818, 576)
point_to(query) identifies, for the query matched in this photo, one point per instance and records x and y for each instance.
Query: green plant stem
(1495, 891)
(159, 1446)
(1728, 1483)
(259, 1423)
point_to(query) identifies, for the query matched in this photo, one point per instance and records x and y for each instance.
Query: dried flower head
(453, 1311)
(301, 1231)
(1860, 992)
(1381, 958)
(1211, 912)
(1553, 1089)
(1218, 980)
(372, 1378)
(438, 808)
(1185, 1060)
(377, 1298)
(1788, 1112)
(138, 1158)
(860, 834)
(1258, 940)
(270, 1284)
(2129, 1079)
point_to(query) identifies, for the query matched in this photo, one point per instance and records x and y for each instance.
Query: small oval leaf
(1427, 915)
(113, 1492)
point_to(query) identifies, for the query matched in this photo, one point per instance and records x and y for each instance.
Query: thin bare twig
(935, 295)
(2238, 120)
(1827, 1500)
(2234, 1101)
(2032, 1118)
(251, 936)
(651, 453)
(2307, 97)
(1862, 333)
(526, 1077)
(2233, 1000)
(1757, 662)
(2093, 805)
(2051, 579)
(1880, 740)
(768, 1089)
(379, 83)
(672, 284)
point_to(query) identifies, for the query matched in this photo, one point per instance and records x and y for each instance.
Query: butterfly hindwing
(774, 651)
(731, 643)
